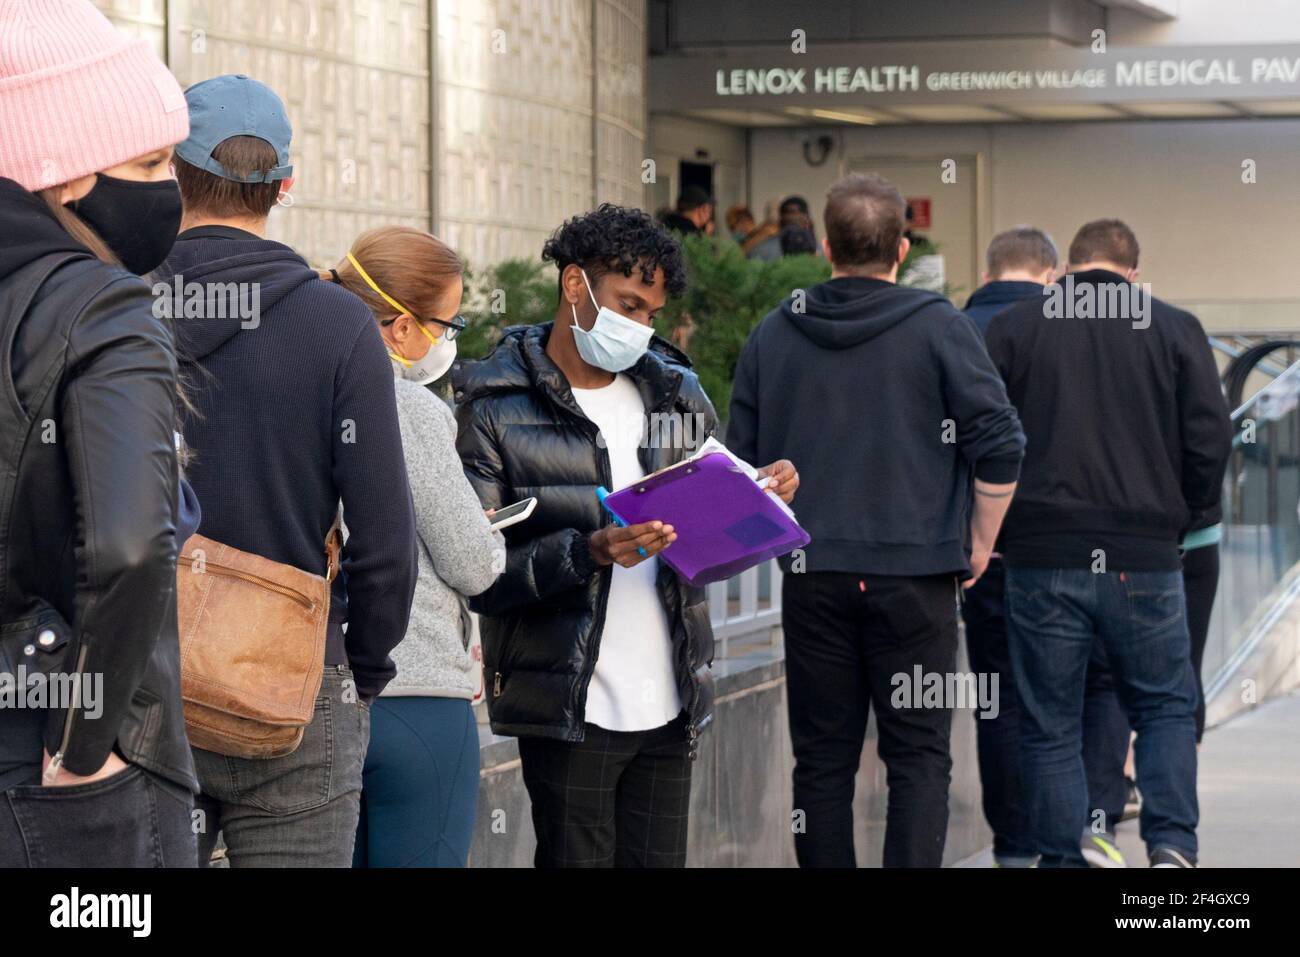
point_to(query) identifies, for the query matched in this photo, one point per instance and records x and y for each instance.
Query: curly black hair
(616, 238)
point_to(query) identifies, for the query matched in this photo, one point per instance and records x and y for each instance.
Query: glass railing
(1260, 550)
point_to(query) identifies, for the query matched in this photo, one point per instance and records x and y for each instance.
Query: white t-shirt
(634, 687)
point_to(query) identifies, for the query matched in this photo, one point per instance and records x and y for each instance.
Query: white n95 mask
(432, 365)
(614, 342)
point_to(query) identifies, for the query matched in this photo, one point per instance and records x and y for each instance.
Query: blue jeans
(1054, 615)
(421, 784)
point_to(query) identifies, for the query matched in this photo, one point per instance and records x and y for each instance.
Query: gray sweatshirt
(459, 555)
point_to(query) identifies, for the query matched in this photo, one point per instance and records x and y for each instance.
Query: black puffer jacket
(523, 434)
(87, 498)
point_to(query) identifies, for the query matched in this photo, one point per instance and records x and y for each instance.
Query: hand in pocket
(65, 778)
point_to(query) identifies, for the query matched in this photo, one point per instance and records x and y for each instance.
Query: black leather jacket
(88, 495)
(521, 434)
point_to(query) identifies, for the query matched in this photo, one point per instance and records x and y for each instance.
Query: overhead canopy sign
(867, 75)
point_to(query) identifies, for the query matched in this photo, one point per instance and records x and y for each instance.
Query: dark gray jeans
(132, 819)
(299, 810)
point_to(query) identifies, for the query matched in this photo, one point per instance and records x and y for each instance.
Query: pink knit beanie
(77, 96)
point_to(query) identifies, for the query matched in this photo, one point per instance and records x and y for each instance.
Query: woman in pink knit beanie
(89, 119)
(88, 476)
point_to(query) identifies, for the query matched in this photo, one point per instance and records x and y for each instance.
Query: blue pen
(602, 493)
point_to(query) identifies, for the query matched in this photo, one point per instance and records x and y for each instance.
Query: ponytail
(409, 264)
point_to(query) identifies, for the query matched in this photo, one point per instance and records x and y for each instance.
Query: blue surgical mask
(614, 342)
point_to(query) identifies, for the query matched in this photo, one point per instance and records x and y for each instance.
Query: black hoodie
(295, 410)
(887, 403)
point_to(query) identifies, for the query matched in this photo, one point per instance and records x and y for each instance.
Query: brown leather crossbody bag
(252, 646)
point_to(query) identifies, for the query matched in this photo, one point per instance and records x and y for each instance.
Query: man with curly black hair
(596, 654)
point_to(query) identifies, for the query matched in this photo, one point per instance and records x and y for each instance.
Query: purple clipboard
(724, 522)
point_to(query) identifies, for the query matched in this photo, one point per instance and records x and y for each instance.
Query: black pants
(998, 739)
(1106, 729)
(131, 819)
(614, 799)
(846, 637)
(1200, 584)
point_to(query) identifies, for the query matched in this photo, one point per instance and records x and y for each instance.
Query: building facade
(1178, 116)
(485, 121)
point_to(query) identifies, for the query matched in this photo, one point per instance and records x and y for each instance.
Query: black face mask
(138, 221)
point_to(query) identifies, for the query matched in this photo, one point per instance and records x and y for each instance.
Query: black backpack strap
(15, 421)
(18, 300)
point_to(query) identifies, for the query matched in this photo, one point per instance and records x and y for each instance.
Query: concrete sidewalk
(1249, 786)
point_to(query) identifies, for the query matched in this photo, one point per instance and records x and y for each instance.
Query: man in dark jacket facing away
(294, 410)
(1020, 261)
(1128, 438)
(596, 656)
(885, 397)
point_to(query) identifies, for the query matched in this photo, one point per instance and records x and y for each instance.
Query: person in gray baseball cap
(293, 411)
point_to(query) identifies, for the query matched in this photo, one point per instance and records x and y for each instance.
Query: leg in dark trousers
(1106, 731)
(1145, 631)
(913, 622)
(653, 801)
(616, 798)
(1051, 629)
(1200, 583)
(828, 699)
(847, 637)
(1106, 736)
(998, 739)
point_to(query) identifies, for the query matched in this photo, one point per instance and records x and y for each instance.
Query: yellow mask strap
(402, 310)
(375, 286)
(427, 334)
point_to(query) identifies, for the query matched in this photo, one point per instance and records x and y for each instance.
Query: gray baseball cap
(235, 105)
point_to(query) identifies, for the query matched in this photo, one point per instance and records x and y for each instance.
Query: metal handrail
(1288, 375)
(1232, 352)
(1240, 369)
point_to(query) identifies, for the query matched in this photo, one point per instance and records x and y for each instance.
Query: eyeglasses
(454, 326)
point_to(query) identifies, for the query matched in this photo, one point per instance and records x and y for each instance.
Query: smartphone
(512, 514)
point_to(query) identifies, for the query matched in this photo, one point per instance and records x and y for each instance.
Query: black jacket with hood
(521, 434)
(294, 409)
(887, 403)
(88, 483)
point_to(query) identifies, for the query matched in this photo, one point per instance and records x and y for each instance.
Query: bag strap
(16, 421)
(333, 547)
(20, 298)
